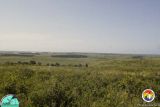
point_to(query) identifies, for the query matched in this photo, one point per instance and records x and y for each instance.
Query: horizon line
(82, 52)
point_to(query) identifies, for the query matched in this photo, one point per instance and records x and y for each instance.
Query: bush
(32, 62)
(39, 63)
(10, 88)
(26, 73)
(54, 96)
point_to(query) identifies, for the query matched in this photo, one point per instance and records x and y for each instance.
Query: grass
(108, 81)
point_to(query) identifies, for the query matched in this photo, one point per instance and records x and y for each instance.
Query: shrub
(39, 63)
(32, 62)
(26, 73)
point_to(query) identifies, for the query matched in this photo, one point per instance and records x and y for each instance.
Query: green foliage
(103, 81)
(32, 62)
(26, 73)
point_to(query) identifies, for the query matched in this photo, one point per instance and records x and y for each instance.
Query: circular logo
(9, 101)
(148, 95)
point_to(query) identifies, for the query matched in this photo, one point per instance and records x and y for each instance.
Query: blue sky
(108, 26)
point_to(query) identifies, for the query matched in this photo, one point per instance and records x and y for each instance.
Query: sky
(101, 26)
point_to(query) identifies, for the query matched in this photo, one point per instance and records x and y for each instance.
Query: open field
(79, 79)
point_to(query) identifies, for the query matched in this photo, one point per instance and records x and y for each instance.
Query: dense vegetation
(94, 81)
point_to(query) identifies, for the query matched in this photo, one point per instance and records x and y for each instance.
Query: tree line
(32, 62)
